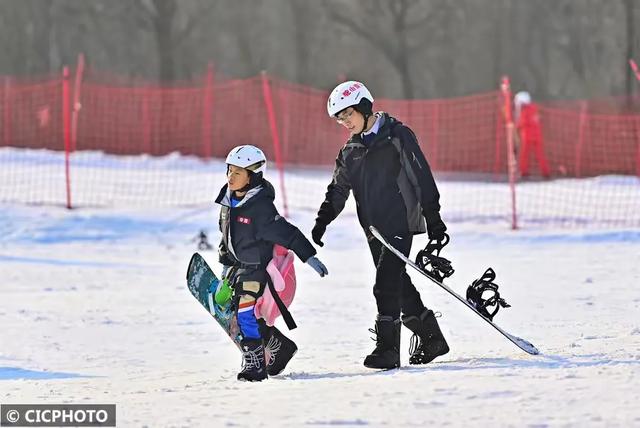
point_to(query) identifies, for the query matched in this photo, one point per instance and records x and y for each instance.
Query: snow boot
(279, 350)
(253, 363)
(386, 354)
(427, 341)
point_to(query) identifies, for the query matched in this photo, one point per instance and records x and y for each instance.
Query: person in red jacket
(530, 133)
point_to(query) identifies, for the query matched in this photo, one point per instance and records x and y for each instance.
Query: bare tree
(410, 48)
(26, 28)
(533, 40)
(387, 26)
(167, 23)
(303, 38)
(629, 8)
(162, 18)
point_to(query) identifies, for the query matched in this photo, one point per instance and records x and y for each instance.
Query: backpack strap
(286, 315)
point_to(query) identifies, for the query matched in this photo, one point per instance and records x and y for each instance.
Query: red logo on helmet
(353, 88)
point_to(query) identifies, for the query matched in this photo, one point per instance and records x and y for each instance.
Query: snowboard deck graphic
(202, 284)
(523, 344)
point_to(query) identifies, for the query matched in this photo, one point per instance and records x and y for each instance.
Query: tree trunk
(630, 39)
(302, 43)
(163, 23)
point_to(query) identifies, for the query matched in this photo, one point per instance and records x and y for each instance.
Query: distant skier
(203, 241)
(530, 134)
(250, 226)
(395, 191)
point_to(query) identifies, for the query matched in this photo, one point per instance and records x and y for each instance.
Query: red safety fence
(86, 138)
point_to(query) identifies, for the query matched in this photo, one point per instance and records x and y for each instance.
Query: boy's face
(351, 119)
(237, 177)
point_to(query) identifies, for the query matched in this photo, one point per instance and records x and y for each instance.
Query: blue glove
(317, 265)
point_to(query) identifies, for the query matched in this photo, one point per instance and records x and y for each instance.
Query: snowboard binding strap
(431, 263)
(488, 307)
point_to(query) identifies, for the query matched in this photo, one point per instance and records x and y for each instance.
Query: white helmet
(248, 157)
(347, 94)
(522, 97)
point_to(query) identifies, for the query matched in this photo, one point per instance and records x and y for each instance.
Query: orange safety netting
(146, 124)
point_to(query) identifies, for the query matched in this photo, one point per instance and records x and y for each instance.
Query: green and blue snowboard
(203, 284)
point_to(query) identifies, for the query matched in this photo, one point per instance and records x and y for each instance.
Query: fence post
(66, 129)
(580, 142)
(6, 108)
(146, 123)
(76, 102)
(434, 134)
(206, 112)
(636, 127)
(636, 72)
(500, 117)
(511, 156)
(271, 115)
(286, 125)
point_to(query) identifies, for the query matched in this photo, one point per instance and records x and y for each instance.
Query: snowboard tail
(203, 283)
(523, 344)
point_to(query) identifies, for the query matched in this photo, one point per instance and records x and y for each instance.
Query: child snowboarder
(250, 226)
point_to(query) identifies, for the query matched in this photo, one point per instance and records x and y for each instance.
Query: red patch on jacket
(244, 220)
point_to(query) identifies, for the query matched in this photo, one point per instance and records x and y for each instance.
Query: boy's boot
(279, 350)
(386, 354)
(427, 341)
(253, 362)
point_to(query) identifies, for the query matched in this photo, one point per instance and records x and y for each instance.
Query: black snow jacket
(250, 230)
(391, 181)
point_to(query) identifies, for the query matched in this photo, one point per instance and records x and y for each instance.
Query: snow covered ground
(94, 309)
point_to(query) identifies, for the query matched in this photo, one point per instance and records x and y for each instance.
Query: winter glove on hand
(326, 214)
(317, 232)
(317, 265)
(436, 227)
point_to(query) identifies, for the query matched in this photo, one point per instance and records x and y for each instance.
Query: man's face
(237, 177)
(351, 119)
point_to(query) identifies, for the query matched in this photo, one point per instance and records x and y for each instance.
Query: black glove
(317, 232)
(436, 227)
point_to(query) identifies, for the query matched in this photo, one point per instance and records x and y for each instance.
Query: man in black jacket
(394, 191)
(250, 226)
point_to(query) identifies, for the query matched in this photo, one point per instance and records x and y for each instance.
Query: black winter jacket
(250, 230)
(391, 181)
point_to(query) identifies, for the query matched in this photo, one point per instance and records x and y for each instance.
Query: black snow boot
(427, 341)
(386, 355)
(253, 363)
(279, 350)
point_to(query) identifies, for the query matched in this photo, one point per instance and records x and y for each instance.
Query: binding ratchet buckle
(431, 263)
(483, 295)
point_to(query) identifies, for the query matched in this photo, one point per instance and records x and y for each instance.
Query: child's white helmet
(348, 94)
(521, 98)
(248, 157)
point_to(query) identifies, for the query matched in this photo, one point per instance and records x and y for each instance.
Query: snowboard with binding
(203, 284)
(519, 342)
